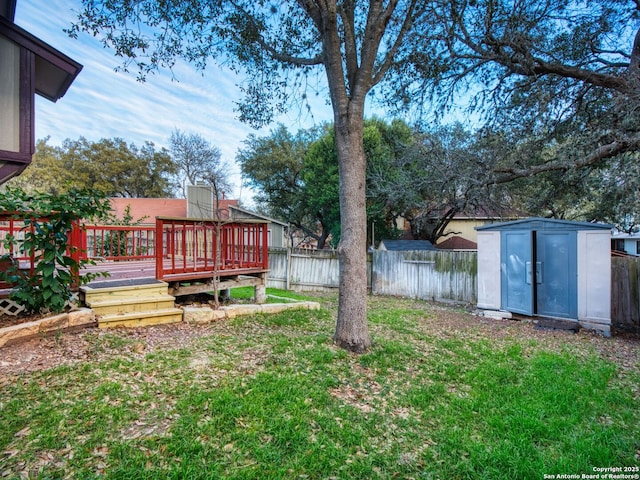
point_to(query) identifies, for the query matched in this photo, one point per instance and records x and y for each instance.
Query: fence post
(288, 269)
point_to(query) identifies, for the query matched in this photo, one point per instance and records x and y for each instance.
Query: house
(145, 211)
(277, 230)
(628, 243)
(405, 245)
(462, 227)
(27, 66)
(463, 224)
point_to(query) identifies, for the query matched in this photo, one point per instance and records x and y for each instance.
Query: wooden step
(140, 319)
(103, 291)
(133, 304)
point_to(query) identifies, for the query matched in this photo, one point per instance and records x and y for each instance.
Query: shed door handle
(538, 272)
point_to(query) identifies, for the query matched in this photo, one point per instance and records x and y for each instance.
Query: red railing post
(75, 251)
(159, 248)
(265, 246)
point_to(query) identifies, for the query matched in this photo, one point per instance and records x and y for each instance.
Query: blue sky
(102, 103)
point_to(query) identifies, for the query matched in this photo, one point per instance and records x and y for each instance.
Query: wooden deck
(144, 271)
(190, 255)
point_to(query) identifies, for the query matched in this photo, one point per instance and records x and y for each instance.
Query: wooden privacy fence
(625, 293)
(442, 275)
(302, 269)
(428, 275)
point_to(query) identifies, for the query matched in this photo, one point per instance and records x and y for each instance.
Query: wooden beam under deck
(177, 288)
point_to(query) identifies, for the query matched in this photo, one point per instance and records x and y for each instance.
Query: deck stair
(131, 303)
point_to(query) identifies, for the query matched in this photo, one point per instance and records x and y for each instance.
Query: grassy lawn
(442, 394)
(274, 295)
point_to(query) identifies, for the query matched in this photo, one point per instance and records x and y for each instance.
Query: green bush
(48, 220)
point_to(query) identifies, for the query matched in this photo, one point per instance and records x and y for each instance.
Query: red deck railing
(183, 249)
(13, 228)
(118, 242)
(191, 249)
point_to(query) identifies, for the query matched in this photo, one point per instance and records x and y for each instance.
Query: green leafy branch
(48, 221)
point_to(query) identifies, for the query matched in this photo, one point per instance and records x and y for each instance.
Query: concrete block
(82, 317)
(233, 311)
(197, 315)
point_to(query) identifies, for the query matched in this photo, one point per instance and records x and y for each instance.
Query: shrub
(48, 221)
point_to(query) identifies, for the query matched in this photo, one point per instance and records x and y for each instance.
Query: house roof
(537, 223)
(150, 208)
(257, 215)
(457, 243)
(55, 71)
(626, 236)
(480, 212)
(8, 9)
(405, 245)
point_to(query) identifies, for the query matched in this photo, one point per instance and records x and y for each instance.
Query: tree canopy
(296, 176)
(567, 72)
(109, 166)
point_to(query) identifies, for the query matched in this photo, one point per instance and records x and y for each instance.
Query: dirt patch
(93, 344)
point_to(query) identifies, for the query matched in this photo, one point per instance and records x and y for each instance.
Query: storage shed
(547, 268)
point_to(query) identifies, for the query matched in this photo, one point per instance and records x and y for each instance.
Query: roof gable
(457, 243)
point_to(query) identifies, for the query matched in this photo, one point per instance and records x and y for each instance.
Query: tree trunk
(352, 332)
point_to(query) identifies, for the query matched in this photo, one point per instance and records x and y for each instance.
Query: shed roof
(537, 223)
(405, 245)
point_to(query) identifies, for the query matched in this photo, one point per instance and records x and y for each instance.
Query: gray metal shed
(548, 268)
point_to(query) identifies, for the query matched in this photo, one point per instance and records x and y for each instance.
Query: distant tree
(321, 186)
(434, 176)
(617, 198)
(109, 166)
(197, 160)
(272, 165)
(297, 177)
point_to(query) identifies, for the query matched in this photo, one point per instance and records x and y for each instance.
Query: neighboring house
(463, 224)
(277, 229)
(628, 243)
(405, 245)
(145, 211)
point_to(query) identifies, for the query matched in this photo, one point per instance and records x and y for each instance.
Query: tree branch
(603, 152)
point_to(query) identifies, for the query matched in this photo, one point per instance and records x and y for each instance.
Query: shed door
(516, 273)
(556, 274)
